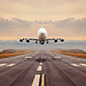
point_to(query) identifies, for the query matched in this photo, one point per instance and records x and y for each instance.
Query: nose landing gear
(42, 42)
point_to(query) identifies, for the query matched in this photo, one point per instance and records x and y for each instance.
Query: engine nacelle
(62, 40)
(47, 42)
(55, 40)
(27, 41)
(21, 40)
(36, 42)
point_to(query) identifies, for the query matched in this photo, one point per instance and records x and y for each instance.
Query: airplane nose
(42, 27)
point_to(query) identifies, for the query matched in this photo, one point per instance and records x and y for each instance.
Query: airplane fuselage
(42, 34)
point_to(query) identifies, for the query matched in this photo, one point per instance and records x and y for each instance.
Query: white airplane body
(42, 37)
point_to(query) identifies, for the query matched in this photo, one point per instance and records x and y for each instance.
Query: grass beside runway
(72, 52)
(13, 52)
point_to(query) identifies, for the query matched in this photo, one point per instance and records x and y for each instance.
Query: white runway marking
(2, 64)
(82, 64)
(57, 57)
(36, 80)
(39, 68)
(40, 63)
(11, 65)
(28, 57)
(75, 64)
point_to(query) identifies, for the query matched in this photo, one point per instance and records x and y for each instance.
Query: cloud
(14, 28)
(14, 23)
(71, 23)
(69, 28)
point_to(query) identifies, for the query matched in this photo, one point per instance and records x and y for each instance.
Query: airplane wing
(28, 39)
(56, 39)
(36, 40)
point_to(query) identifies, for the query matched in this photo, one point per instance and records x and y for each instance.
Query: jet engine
(62, 40)
(27, 41)
(55, 40)
(36, 42)
(47, 42)
(21, 40)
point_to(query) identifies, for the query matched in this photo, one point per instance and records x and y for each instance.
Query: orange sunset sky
(61, 18)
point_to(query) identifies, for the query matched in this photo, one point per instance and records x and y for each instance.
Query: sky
(61, 18)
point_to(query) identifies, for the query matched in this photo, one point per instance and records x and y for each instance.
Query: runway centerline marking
(73, 64)
(2, 64)
(11, 65)
(57, 57)
(36, 80)
(42, 83)
(40, 63)
(39, 68)
(82, 64)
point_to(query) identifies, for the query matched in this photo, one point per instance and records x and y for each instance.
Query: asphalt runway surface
(43, 68)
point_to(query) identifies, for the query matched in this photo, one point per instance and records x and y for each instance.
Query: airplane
(42, 37)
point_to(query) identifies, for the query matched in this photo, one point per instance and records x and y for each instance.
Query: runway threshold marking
(39, 68)
(42, 83)
(82, 64)
(75, 65)
(36, 80)
(28, 57)
(11, 65)
(2, 64)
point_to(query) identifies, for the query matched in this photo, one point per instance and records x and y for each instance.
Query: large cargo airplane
(42, 37)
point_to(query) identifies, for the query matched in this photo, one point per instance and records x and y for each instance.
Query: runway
(43, 68)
